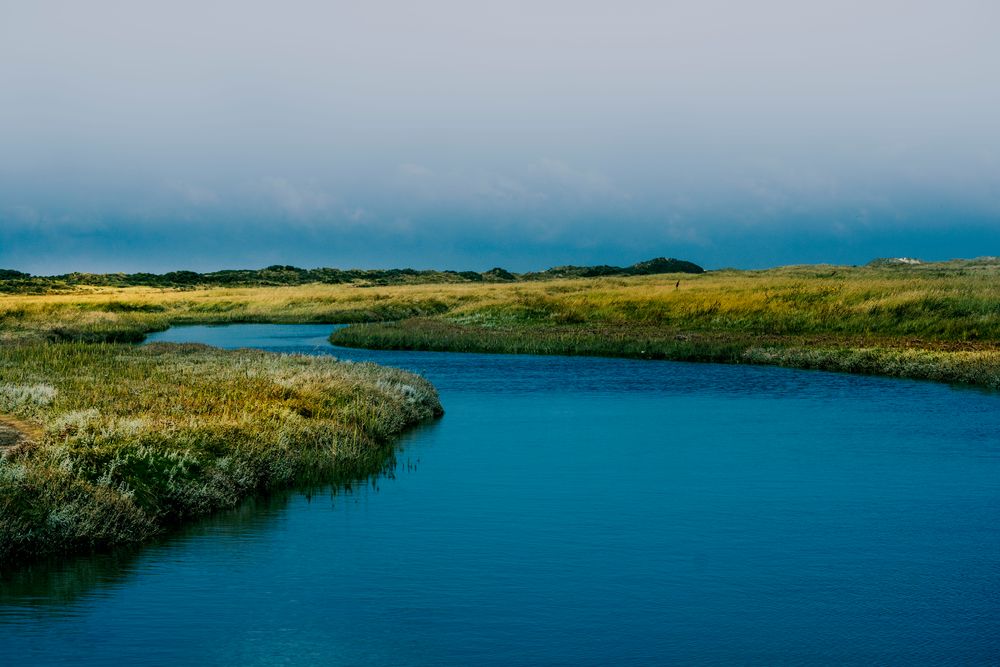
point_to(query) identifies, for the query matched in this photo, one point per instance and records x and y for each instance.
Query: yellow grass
(959, 304)
(125, 439)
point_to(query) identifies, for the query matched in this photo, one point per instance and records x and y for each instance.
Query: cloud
(538, 132)
(357, 214)
(193, 194)
(301, 201)
(415, 171)
(20, 215)
(574, 182)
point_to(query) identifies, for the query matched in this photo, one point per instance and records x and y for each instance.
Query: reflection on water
(52, 586)
(578, 511)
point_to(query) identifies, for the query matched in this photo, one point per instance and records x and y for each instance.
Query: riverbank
(936, 322)
(117, 443)
(974, 363)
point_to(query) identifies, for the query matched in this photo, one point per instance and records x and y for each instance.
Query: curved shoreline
(979, 366)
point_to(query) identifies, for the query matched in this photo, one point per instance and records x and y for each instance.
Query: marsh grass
(956, 302)
(940, 323)
(132, 440)
(120, 442)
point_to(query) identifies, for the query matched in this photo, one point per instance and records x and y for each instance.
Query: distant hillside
(16, 281)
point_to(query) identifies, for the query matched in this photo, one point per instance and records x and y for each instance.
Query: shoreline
(953, 363)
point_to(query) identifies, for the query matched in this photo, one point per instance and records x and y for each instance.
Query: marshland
(937, 321)
(108, 443)
(130, 412)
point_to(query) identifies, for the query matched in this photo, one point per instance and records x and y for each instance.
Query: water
(574, 511)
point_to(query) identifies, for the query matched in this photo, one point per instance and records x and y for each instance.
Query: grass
(126, 441)
(106, 443)
(128, 314)
(938, 322)
(976, 365)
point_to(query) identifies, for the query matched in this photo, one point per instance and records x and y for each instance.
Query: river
(577, 511)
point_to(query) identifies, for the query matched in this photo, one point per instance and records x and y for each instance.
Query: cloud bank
(464, 135)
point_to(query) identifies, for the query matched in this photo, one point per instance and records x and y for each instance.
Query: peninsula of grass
(110, 444)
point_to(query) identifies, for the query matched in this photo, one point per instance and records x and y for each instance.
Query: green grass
(938, 322)
(106, 443)
(946, 302)
(887, 357)
(129, 441)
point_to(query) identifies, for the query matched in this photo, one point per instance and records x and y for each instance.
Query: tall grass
(941, 324)
(954, 303)
(117, 442)
(128, 441)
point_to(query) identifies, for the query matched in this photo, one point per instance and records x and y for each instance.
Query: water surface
(578, 511)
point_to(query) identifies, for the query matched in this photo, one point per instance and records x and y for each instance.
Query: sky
(465, 134)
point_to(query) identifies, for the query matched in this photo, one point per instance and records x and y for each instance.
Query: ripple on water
(578, 511)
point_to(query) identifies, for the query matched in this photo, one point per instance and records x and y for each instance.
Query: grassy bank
(966, 364)
(122, 442)
(938, 322)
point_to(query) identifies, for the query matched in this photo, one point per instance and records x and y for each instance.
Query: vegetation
(18, 282)
(969, 364)
(929, 321)
(119, 442)
(104, 443)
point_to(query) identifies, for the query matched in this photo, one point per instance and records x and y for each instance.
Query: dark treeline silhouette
(17, 281)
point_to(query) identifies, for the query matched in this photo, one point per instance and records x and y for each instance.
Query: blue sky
(465, 135)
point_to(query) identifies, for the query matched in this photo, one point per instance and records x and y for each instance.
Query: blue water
(575, 511)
